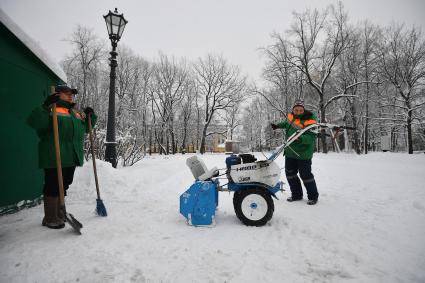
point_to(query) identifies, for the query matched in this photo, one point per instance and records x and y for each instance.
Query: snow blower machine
(254, 183)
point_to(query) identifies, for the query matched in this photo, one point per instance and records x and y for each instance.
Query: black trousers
(292, 167)
(51, 184)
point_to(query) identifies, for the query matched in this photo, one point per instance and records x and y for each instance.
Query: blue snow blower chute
(199, 202)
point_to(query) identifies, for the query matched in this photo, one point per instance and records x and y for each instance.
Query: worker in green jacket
(298, 155)
(72, 126)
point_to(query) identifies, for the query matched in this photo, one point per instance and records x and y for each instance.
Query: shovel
(100, 207)
(68, 216)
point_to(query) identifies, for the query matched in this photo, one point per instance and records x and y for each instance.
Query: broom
(100, 207)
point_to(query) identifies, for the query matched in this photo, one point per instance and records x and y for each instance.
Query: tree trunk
(197, 128)
(167, 148)
(204, 135)
(173, 142)
(323, 120)
(409, 133)
(184, 136)
(160, 144)
(150, 141)
(356, 133)
(366, 127)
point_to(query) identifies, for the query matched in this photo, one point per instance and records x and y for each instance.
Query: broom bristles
(100, 208)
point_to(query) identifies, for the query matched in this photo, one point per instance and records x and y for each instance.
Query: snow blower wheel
(254, 207)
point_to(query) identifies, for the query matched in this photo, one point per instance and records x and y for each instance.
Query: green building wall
(24, 83)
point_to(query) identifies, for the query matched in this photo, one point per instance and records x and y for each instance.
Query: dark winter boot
(312, 201)
(291, 199)
(51, 219)
(59, 212)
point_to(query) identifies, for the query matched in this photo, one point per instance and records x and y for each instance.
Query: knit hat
(298, 102)
(65, 88)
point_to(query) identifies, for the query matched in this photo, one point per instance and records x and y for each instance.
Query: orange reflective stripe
(297, 122)
(62, 111)
(290, 117)
(309, 122)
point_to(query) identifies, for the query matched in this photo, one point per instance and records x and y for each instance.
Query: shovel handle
(92, 155)
(58, 156)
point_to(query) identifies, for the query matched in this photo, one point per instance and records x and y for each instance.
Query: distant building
(25, 79)
(232, 146)
(215, 141)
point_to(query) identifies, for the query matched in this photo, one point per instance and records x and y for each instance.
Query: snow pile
(367, 227)
(32, 45)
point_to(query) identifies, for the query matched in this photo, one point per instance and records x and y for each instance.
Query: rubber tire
(237, 203)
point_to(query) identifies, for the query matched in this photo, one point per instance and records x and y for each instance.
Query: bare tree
(232, 119)
(256, 125)
(82, 66)
(286, 81)
(354, 75)
(370, 35)
(220, 86)
(402, 60)
(133, 75)
(168, 86)
(187, 106)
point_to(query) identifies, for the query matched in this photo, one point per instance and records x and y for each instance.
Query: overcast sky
(192, 28)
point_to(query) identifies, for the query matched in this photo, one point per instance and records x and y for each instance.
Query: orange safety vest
(63, 111)
(297, 122)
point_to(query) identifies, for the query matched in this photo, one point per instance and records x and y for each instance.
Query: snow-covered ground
(369, 226)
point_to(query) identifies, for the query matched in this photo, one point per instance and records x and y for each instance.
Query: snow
(32, 45)
(367, 227)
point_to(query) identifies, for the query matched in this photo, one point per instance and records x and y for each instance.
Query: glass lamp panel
(123, 24)
(121, 30)
(116, 19)
(108, 23)
(115, 30)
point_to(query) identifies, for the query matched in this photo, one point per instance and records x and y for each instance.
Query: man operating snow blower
(71, 126)
(298, 155)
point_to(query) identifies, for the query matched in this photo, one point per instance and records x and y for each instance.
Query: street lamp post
(115, 23)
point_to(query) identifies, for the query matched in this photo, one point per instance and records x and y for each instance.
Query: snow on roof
(32, 45)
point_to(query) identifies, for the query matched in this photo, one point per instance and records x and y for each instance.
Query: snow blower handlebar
(336, 127)
(300, 132)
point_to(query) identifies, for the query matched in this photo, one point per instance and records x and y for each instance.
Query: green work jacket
(72, 127)
(303, 148)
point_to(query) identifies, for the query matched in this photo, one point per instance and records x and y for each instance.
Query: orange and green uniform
(72, 128)
(303, 148)
(298, 156)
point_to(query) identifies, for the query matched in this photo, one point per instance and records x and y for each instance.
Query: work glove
(88, 111)
(51, 99)
(274, 126)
